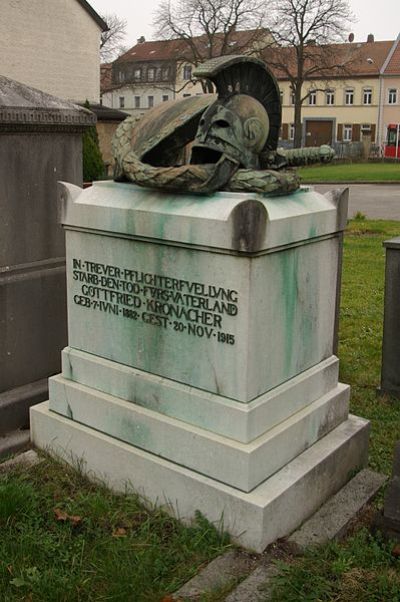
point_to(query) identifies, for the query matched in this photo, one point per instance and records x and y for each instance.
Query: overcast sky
(379, 17)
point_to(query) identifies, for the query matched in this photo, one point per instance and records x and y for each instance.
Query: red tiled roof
(393, 66)
(172, 49)
(351, 59)
(364, 59)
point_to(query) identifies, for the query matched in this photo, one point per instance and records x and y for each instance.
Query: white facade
(52, 45)
(134, 98)
(137, 99)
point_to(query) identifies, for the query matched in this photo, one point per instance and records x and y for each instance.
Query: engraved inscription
(181, 305)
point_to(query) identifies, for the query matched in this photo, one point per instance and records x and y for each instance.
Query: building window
(187, 72)
(347, 132)
(312, 99)
(291, 131)
(292, 98)
(330, 97)
(165, 97)
(392, 96)
(137, 102)
(150, 101)
(367, 96)
(121, 76)
(349, 96)
(151, 74)
(137, 74)
(186, 95)
(366, 129)
(165, 74)
(122, 102)
(281, 95)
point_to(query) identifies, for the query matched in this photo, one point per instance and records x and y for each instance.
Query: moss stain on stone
(135, 433)
(289, 284)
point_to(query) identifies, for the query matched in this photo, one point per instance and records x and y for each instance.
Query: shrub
(93, 165)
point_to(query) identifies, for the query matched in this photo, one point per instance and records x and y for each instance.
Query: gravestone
(40, 142)
(200, 366)
(390, 374)
(388, 523)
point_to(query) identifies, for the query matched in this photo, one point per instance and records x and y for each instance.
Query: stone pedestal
(40, 142)
(200, 366)
(390, 375)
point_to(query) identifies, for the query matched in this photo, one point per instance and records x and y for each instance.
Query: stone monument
(40, 142)
(200, 368)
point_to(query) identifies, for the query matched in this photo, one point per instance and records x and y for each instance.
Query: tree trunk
(298, 130)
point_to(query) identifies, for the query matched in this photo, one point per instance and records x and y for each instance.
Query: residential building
(353, 101)
(158, 71)
(342, 105)
(52, 45)
(390, 90)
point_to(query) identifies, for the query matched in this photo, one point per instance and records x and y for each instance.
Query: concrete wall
(52, 45)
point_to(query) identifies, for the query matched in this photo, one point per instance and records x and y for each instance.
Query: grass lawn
(351, 172)
(63, 539)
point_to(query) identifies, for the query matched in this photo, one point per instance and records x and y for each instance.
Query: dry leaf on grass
(63, 517)
(396, 551)
(119, 532)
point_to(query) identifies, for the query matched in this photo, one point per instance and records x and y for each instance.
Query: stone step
(271, 511)
(243, 466)
(223, 571)
(254, 587)
(14, 442)
(15, 404)
(26, 459)
(330, 521)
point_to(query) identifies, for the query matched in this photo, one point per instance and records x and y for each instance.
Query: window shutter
(373, 132)
(340, 132)
(285, 131)
(356, 132)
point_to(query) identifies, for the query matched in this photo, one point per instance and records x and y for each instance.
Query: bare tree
(111, 41)
(304, 33)
(210, 28)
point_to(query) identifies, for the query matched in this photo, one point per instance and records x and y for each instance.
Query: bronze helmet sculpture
(233, 138)
(246, 117)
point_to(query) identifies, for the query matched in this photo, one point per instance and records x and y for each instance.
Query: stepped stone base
(271, 510)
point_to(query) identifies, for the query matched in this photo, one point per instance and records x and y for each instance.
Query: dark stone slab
(388, 522)
(13, 442)
(391, 507)
(15, 404)
(396, 460)
(389, 529)
(40, 144)
(390, 375)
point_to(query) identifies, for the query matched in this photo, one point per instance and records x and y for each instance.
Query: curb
(351, 183)
(331, 521)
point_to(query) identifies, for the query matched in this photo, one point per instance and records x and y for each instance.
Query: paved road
(373, 200)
